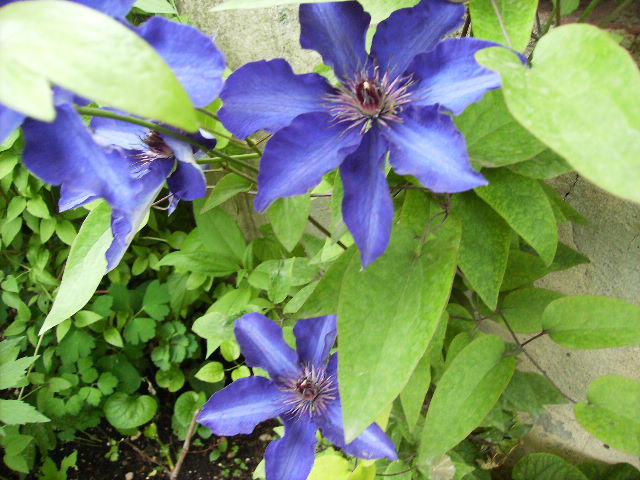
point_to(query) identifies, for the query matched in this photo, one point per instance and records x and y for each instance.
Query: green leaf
(13, 373)
(530, 391)
(523, 308)
(545, 466)
(289, 218)
(140, 330)
(124, 411)
(85, 267)
(227, 187)
(172, 379)
(484, 246)
(585, 117)
(613, 412)
(381, 9)
(331, 466)
(523, 204)
(212, 372)
(465, 394)
(25, 91)
(113, 337)
(215, 328)
(516, 15)
(186, 405)
(220, 233)
(413, 394)
(409, 293)
(494, 138)
(155, 6)
(71, 45)
(200, 262)
(37, 207)
(592, 322)
(604, 471)
(543, 166)
(17, 412)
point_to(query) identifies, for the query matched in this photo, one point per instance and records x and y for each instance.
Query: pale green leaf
(155, 6)
(379, 311)
(72, 46)
(289, 217)
(331, 466)
(517, 16)
(592, 322)
(465, 394)
(227, 187)
(85, 267)
(523, 308)
(586, 107)
(211, 372)
(613, 412)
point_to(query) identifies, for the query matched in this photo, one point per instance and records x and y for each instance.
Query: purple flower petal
(63, 152)
(315, 338)
(267, 95)
(125, 223)
(109, 132)
(10, 120)
(450, 75)
(193, 57)
(337, 31)
(187, 182)
(427, 144)
(367, 206)
(291, 457)
(240, 406)
(411, 31)
(297, 157)
(372, 444)
(263, 346)
(113, 8)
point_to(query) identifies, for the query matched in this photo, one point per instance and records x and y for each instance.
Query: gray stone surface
(612, 240)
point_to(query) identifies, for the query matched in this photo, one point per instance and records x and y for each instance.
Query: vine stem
(326, 232)
(185, 446)
(31, 366)
(588, 11)
(531, 359)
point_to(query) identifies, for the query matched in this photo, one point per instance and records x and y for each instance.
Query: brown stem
(326, 232)
(185, 446)
(535, 337)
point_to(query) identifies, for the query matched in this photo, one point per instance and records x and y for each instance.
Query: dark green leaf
(125, 412)
(523, 308)
(545, 466)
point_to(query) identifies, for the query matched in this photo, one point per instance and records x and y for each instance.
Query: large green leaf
(17, 412)
(91, 54)
(219, 232)
(592, 322)
(124, 411)
(484, 247)
(465, 394)
(289, 217)
(522, 202)
(85, 267)
(613, 412)
(581, 97)
(545, 466)
(523, 308)
(494, 138)
(379, 311)
(413, 394)
(517, 16)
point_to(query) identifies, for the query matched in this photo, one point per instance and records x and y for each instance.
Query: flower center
(370, 97)
(157, 146)
(310, 392)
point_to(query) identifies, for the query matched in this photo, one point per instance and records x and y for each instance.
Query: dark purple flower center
(370, 97)
(310, 392)
(157, 145)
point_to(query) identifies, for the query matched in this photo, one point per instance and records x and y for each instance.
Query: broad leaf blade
(613, 412)
(289, 218)
(592, 322)
(585, 117)
(545, 466)
(73, 46)
(465, 394)
(517, 16)
(85, 267)
(408, 294)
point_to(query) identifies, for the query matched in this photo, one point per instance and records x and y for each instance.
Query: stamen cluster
(310, 392)
(370, 97)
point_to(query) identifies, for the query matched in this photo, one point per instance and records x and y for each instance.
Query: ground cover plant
(141, 316)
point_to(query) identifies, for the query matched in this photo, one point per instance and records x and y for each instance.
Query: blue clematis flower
(303, 391)
(398, 98)
(125, 164)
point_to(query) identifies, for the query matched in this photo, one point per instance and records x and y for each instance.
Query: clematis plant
(124, 163)
(398, 98)
(303, 391)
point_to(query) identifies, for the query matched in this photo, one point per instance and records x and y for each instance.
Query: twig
(558, 13)
(326, 232)
(396, 473)
(144, 455)
(185, 446)
(535, 337)
(531, 359)
(467, 24)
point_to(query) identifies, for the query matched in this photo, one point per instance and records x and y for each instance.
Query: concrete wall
(612, 240)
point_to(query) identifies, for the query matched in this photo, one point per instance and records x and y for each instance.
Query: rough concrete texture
(611, 240)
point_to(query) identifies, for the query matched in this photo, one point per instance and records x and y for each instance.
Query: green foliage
(491, 19)
(545, 466)
(35, 33)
